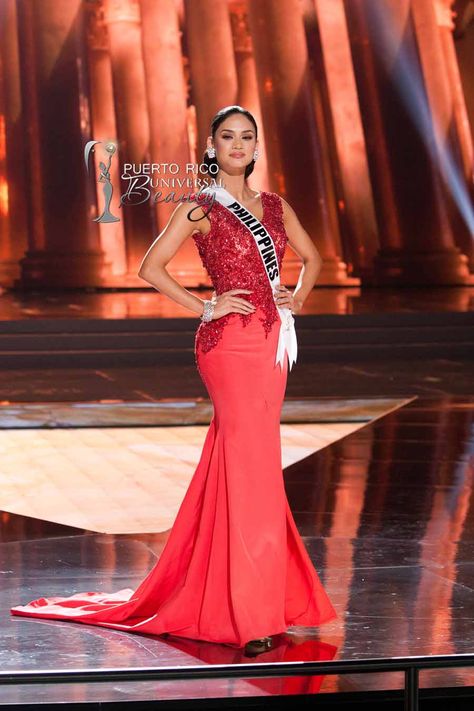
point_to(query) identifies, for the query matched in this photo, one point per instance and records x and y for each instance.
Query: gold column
(123, 21)
(335, 206)
(167, 103)
(359, 222)
(14, 238)
(427, 17)
(104, 128)
(444, 19)
(211, 62)
(293, 144)
(415, 233)
(64, 248)
(460, 117)
(166, 90)
(248, 87)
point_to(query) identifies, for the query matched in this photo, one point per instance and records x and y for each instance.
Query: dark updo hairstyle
(215, 123)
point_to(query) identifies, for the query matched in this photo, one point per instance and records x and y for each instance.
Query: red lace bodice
(232, 260)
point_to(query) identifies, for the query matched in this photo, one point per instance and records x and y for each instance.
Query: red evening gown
(234, 567)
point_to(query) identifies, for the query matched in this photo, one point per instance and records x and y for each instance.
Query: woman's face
(235, 143)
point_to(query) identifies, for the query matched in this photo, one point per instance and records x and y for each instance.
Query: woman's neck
(235, 185)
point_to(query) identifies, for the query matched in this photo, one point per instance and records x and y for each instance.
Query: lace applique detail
(231, 257)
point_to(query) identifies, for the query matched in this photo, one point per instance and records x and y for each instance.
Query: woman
(234, 569)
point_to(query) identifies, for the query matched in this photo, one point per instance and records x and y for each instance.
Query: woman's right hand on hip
(228, 302)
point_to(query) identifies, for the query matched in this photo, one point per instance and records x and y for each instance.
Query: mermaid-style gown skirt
(234, 567)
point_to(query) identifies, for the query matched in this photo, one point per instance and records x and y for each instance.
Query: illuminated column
(13, 230)
(292, 141)
(440, 93)
(444, 19)
(122, 18)
(460, 118)
(337, 225)
(248, 87)
(415, 233)
(211, 62)
(166, 91)
(64, 248)
(359, 222)
(112, 234)
(4, 226)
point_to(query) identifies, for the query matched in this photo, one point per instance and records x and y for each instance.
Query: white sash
(287, 338)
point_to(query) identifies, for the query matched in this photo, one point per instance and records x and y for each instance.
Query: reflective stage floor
(387, 515)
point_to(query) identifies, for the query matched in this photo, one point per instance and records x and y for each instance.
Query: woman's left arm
(300, 241)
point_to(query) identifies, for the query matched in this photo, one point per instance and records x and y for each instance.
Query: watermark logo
(140, 179)
(104, 177)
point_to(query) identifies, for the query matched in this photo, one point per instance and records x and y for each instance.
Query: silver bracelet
(208, 310)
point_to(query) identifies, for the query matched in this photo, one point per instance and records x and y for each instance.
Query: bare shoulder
(287, 210)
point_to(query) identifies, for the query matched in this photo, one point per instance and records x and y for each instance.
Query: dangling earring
(255, 154)
(211, 152)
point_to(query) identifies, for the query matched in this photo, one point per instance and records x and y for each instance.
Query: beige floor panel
(120, 479)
